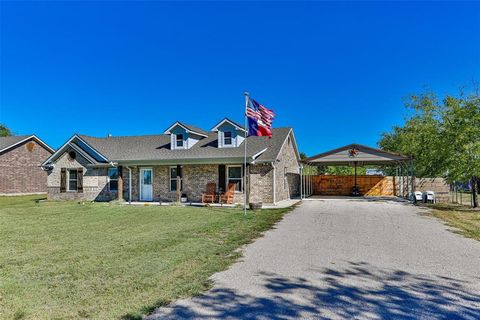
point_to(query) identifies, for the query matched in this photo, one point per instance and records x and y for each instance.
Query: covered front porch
(166, 184)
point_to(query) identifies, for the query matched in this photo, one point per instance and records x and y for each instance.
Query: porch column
(120, 183)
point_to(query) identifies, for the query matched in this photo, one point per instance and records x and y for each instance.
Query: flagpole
(245, 157)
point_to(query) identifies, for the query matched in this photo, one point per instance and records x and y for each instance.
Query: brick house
(154, 167)
(20, 165)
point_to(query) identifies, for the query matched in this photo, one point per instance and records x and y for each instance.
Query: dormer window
(227, 138)
(179, 139)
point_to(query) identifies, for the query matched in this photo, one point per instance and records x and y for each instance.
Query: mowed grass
(465, 220)
(64, 260)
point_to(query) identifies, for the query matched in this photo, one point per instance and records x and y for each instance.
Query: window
(179, 140)
(285, 178)
(234, 175)
(173, 178)
(113, 179)
(72, 180)
(227, 138)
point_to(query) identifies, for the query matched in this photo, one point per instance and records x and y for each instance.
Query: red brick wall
(20, 170)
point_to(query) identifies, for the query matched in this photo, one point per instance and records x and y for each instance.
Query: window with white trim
(179, 140)
(113, 179)
(173, 178)
(285, 178)
(72, 180)
(227, 138)
(235, 175)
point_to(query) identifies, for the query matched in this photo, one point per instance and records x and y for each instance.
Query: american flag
(260, 119)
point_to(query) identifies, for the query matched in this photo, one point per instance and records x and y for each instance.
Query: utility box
(428, 196)
(418, 196)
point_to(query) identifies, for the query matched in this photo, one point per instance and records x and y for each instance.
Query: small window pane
(173, 185)
(179, 140)
(72, 185)
(73, 175)
(227, 138)
(113, 173)
(235, 172)
(147, 177)
(173, 172)
(113, 185)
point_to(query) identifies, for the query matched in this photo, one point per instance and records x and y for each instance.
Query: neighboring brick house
(20, 165)
(150, 167)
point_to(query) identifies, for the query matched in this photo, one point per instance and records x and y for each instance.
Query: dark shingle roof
(157, 147)
(194, 129)
(6, 142)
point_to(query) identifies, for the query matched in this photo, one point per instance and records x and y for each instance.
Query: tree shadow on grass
(360, 291)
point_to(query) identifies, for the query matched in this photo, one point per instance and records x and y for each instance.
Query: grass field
(464, 219)
(64, 260)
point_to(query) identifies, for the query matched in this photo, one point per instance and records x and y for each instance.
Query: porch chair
(228, 196)
(209, 195)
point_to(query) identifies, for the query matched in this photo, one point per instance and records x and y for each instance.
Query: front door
(146, 185)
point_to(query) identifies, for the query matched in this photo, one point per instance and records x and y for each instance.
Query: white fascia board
(66, 144)
(215, 128)
(186, 129)
(256, 155)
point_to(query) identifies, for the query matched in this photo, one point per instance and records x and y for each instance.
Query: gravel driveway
(344, 258)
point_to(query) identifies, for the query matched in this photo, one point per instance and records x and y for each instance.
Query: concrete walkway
(343, 259)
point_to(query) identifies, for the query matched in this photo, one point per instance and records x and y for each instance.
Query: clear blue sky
(336, 72)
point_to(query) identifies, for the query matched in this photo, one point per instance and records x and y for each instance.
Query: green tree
(443, 136)
(4, 131)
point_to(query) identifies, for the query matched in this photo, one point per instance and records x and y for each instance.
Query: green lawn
(465, 220)
(64, 260)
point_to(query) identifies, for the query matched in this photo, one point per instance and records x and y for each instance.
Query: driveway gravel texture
(344, 259)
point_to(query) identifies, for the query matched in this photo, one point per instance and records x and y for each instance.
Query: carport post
(406, 176)
(301, 188)
(401, 180)
(413, 175)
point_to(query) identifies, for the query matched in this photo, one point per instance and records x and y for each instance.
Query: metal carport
(357, 155)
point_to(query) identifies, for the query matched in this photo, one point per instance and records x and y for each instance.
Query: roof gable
(232, 123)
(356, 153)
(6, 143)
(188, 128)
(76, 142)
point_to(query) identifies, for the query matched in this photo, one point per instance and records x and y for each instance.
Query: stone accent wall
(287, 186)
(20, 170)
(95, 181)
(261, 183)
(196, 178)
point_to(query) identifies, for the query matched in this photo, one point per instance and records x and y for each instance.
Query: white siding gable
(189, 138)
(237, 136)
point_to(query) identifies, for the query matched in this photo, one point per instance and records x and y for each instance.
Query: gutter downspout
(129, 185)
(274, 185)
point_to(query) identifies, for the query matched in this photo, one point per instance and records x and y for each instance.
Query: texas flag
(259, 119)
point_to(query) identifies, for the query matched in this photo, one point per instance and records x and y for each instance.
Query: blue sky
(337, 72)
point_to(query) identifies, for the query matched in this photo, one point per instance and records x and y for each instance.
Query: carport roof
(358, 153)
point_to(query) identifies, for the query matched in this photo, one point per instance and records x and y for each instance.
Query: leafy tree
(4, 131)
(443, 136)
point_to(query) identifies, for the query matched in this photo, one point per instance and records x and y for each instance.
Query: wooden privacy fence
(332, 185)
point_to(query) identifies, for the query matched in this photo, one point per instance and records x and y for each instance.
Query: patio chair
(209, 195)
(228, 196)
